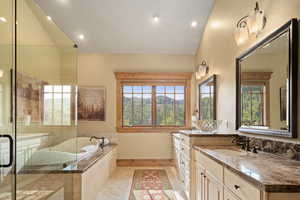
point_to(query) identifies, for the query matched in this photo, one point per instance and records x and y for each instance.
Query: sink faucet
(101, 144)
(244, 143)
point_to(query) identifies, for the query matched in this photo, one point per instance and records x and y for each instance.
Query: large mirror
(207, 99)
(267, 84)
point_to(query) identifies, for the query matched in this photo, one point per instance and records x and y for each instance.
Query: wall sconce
(250, 24)
(256, 20)
(241, 33)
(1, 73)
(202, 70)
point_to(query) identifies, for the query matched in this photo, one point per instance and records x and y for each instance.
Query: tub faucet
(101, 144)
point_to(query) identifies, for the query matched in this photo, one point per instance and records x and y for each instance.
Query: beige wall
(219, 49)
(98, 70)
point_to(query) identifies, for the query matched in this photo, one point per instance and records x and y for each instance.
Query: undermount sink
(230, 152)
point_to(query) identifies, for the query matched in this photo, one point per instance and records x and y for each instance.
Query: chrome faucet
(101, 144)
(244, 143)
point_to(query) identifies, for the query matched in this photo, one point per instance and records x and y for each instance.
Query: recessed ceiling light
(155, 19)
(81, 36)
(2, 19)
(49, 18)
(194, 24)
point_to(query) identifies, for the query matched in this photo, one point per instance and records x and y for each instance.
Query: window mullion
(62, 107)
(165, 113)
(142, 122)
(153, 107)
(132, 109)
(174, 108)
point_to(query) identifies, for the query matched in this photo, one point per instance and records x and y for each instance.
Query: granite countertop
(199, 133)
(266, 171)
(78, 167)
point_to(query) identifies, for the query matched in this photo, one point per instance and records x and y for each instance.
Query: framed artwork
(29, 98)
(91, 103)
(283, 104)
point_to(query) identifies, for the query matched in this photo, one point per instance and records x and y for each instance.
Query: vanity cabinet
(183, 156)
(229, 196)
(208, 187)
(214, 181)
(208, 176)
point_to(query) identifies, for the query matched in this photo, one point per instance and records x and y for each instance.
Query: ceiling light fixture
(81, 36)
(49, 18)
(251, 24)
(155, 19)
(2, 19)
(194, 24)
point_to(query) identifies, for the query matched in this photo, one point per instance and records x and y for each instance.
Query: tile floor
(119, 184)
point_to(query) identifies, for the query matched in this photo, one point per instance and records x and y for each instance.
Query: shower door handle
(11, 153)
(11, 118)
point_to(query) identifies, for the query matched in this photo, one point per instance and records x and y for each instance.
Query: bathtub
(69, 151)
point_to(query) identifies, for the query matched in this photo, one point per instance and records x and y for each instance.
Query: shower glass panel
(7, 136)
(46, 105)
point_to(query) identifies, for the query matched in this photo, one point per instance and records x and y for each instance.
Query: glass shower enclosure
(38, 78)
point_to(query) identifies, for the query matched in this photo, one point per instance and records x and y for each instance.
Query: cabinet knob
(237, 187)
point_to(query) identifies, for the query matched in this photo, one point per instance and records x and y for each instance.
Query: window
(253, 97)
(207, 100)
(152, 102)
(57, 105)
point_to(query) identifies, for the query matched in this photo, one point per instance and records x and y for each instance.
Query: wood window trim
(132, 78)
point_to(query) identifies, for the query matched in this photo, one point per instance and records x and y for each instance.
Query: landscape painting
(91, 103)
(29, 98)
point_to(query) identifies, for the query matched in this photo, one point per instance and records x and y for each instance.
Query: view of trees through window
(153, 106)
(57, 105)
(253, 105)
(206, 101)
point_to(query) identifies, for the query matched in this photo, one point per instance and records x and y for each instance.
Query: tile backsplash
(286, 149)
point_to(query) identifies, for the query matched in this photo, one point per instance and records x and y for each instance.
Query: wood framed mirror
(266, 80)
(207, 99)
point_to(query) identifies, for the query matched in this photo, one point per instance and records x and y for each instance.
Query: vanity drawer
(185, 140)
(212, 166)
(240, 187)
(185, 150)
(176, 142)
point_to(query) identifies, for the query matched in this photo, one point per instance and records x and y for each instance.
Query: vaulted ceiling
(126, 26)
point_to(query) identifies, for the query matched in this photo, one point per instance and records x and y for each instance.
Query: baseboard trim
(144, 162)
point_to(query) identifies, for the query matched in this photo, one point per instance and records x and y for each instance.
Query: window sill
(149, 129)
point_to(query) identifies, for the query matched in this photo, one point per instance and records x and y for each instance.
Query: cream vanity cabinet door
(213, 189)
(199, 182)
(229, 196)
